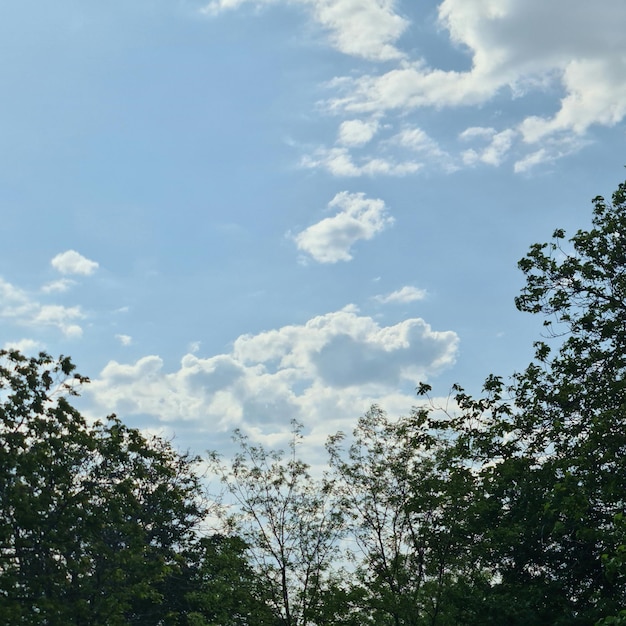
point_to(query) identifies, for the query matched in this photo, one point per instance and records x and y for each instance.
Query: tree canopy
(99, 525)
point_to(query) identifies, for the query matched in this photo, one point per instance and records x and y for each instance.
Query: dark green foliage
(219, 586)
(551, 458)
(99, 525)
(509, 508)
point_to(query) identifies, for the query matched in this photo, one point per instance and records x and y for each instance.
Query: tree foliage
(550, 447)
(99, 525)
(288, 520)
(405, 501)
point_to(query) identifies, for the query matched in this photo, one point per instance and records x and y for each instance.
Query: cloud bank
(324, 372)
(569, 52)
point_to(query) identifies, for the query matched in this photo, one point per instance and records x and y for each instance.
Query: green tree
(219, 587)
(549, 449)
(93, 517)
(407, 501)
(574, 401)
(288, 521)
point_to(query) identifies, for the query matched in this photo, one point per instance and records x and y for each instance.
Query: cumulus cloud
(71, 262)
(520, 44)
(361, 28)
(356, 132)
(567, 49)
(357, 218)
(402, 296)
(325, 373)
(19, 307)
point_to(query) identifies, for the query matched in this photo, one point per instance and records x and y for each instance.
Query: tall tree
(549, 450)
(93, 517)
(573, 402)
(288, 521)
(406, 500)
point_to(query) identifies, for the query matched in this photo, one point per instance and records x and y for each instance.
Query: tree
(574, 402)
(288, 522)
(406, 500)
(219, 587)
(93, 517)
(549, 449)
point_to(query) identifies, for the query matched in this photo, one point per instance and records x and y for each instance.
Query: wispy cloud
(58, 286)
(125, 340)
(401, 296)
(365, 28)
(340, 162)
(26, 346)
(19, 307)
(358, 218)
(495, 145)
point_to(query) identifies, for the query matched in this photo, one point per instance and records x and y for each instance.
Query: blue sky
(235, 213)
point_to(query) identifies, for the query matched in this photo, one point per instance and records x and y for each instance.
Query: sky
(235, 213)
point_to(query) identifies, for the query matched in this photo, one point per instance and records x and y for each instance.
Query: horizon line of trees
(508, 508)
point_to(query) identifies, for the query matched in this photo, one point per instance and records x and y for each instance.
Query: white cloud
(479, 132)
(533, 159)
(498, 145)
(125, 340)
(58, 286)
(552, 149)
(564, 49)
(356, 132)
(417, 140)
(409, 86)
(26, 346)
(358, 218)
(339, 162)
(19, 307)
(325, 373)
(361, 28)
(596, 94)
(515, 47)
(71, 262)
(60, 317)
(406, 294)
